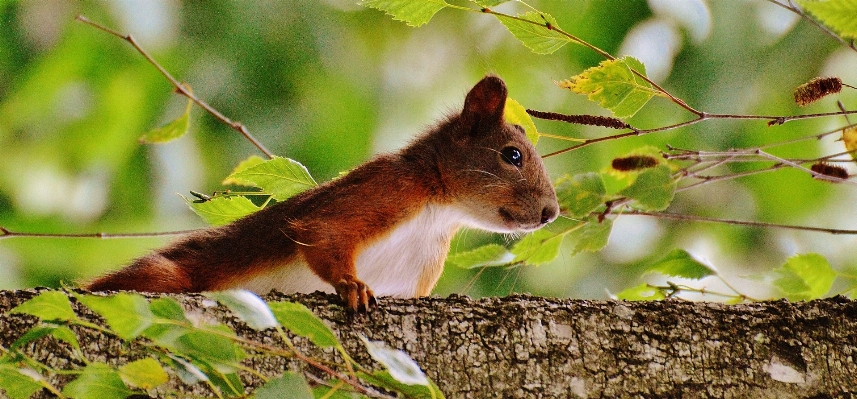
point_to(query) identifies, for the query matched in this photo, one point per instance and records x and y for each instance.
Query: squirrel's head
(491, 171)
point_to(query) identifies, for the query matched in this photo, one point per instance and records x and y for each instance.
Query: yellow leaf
(849, 137)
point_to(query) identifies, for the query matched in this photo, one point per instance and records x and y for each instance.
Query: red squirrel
(382, 229)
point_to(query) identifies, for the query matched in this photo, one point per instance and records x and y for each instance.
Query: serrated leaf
(17, 383)
(280, 177)
(849, 138)
(144, 373)
(382, 378)
(804, 277)
(594, 235)
(222, 210)
(248, 163)
(680, 263)
(642, 292)
(400, 366)
(217, 351)
(614, 86)
(539, 247)
(97, 381)
(168, 308)
(653, 189)
(289, 385)
(486, 255)
(49, 305)
(247, 306)
(532, 30)
(301, 321)
(61, 333)
(581, 194)
(170, 131)
(515, 113)
(128, 315)
(838, 15)
(411, 12)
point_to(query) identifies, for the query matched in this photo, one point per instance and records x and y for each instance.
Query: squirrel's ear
(485, 102)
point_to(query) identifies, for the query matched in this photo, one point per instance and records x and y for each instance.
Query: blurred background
(330, 83)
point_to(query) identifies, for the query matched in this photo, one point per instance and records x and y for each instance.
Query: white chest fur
(394, 265)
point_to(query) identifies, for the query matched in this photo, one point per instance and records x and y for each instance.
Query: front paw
(358, 297)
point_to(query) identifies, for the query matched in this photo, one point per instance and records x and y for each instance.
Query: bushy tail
(151, 273)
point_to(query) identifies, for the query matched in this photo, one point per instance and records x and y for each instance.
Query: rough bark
(523, 346)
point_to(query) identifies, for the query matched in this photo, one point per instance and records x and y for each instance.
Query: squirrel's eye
(513, 156)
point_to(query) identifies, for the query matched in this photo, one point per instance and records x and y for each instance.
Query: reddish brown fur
(456, 163)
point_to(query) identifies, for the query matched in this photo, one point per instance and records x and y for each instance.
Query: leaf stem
(6, 233)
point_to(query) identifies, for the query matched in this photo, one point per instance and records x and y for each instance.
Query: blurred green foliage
(329, 83)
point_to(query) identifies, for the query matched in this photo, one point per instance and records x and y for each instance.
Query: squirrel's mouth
(517, 223)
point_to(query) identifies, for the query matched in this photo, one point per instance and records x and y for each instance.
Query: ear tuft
(485, 101)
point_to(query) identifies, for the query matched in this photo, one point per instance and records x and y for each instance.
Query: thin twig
(791, 7)
(181, 89)
(694, 218)
(6, 233)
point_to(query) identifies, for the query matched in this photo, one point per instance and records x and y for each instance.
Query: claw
(357, 296)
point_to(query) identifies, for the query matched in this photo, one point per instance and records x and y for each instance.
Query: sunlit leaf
(614, 86)
(804, 277)
(170, 131)
(218, 351)
(222, 210)
(187, 371)
(126, 314)
(59, 332)
(836, 14)
(532, 30)
(248, 163)
(515, 113)
(653, 189)
(490, 3)
(49, 305)
(411, 12)
(301, 321)
(247, 306)
(280, 177)
(289, 385)
(594, 235)
(401, 367)
(538, 247)
(17, 383)
(581, 194)
(642, 292)
(144, 373)
(486, 255)
(98, 381)
(680, 263)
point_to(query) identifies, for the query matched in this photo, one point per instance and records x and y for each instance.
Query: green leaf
(486, 255)
(289, 385)
(187, 371)
(18, 383)
(217, 351)
(384, 379)
(540, 246)
(301, 321)
(247, 306)
(61, 333)
(679, 263)
(253, 160)
(168, 308)
(642, 292)
(144, 373)
(614, 86)
(532, 30)
(805, 277)
(128, 315)
(490, 3)
(280, 177)
(400, 366)
(170, 131)
(653, 190)
(594, 235)
(581, 194)
(411, 12)
(515, 113)
(98, 381)
(222, 210)
(49, 305)
(838, 15)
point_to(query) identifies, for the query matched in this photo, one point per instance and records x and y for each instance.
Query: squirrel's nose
(549, 213)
